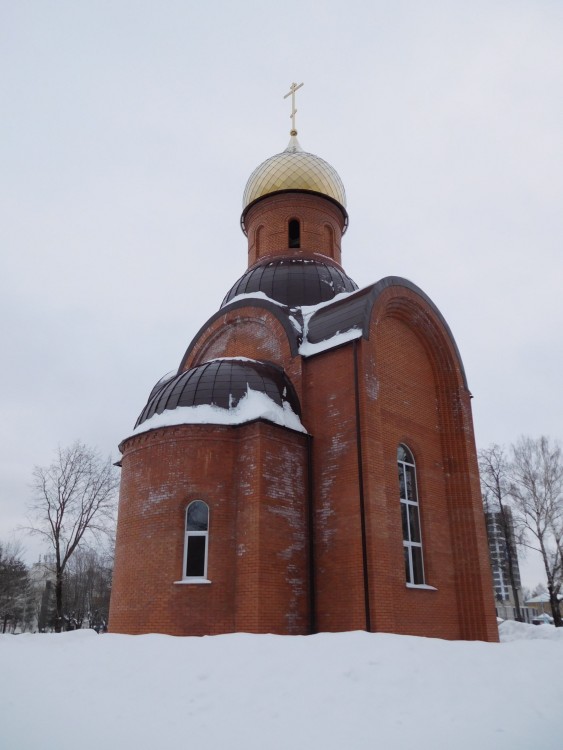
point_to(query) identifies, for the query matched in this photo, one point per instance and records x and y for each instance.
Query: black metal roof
(355, 312)
(351, 312)
(221, 382)
(294, 282)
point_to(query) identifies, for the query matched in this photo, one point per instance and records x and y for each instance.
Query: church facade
(311, 466)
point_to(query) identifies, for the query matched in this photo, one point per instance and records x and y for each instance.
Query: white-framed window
(196, 541)
(412, 539)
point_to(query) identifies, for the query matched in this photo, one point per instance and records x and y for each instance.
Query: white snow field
(345, 691)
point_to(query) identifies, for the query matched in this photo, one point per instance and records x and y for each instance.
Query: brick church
(311, 466)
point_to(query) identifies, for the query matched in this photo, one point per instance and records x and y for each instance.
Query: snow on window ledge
(421, 586)
(193, 580)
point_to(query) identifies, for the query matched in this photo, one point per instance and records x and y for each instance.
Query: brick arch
(330, 242)
(256, 329)
(362, 307)
(452, 393)
(257, 237)
(457, 448)
(437, 341)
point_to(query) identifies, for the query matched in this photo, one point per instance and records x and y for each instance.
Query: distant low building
(541, 604)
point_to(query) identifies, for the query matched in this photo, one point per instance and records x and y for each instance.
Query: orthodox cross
(292, 89)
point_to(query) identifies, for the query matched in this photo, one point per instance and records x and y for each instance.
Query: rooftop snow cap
(221, 382)
(294, 282)
(294, 169)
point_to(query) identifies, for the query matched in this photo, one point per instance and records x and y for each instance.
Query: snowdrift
(328, 692)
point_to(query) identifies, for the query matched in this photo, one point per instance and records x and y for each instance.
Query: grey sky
(128, 131)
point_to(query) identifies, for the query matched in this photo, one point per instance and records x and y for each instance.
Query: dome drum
(320, 224)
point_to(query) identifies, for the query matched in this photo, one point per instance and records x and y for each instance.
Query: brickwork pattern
(249, 332)
(321, 223)
(329, 414)
(415, 395)
(252, 477)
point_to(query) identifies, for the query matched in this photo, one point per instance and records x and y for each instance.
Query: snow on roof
(247, 296)
(307, 349)
(308, 310)
(233, 359)
(542, 599)
(254, 405)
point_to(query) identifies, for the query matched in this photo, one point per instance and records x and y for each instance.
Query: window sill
(422, 586)
(192, 580)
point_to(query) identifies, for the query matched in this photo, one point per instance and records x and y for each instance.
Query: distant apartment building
(500, 533)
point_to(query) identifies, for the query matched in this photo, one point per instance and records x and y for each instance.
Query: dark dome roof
(294, 281)
(221, 382)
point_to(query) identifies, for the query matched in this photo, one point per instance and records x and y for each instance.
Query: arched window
(412, 540)
(294, 232)
(196, 540)
(258, 238)
(329, 233)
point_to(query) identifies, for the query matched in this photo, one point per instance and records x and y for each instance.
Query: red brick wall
(329, 415)
(251, 332)
(414, 394)
(272, 533)
(406, 406)
(321, 223)
(410, 391)
(253, 479)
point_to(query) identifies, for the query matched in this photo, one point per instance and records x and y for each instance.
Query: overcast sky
(128, 131)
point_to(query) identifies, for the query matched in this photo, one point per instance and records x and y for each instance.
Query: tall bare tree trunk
(58, 603)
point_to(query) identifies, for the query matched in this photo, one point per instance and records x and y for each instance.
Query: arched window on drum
(294, 234)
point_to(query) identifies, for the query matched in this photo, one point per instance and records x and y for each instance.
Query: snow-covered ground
(346, 691)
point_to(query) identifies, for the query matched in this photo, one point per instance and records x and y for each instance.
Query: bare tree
(14, 586)
(537, 492)
(538, 590)
(494, 470)
(87, 588)
(74, 498)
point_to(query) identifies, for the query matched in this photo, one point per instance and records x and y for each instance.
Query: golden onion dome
(294, 169)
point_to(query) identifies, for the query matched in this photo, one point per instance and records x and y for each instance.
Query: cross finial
(292, 89)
